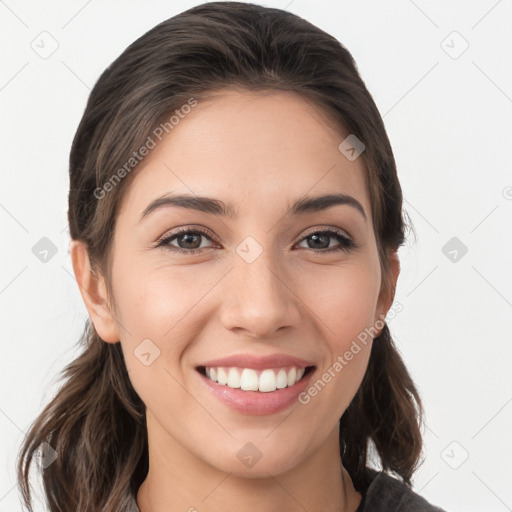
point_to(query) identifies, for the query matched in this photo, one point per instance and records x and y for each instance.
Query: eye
(321, 240)
(188, 240)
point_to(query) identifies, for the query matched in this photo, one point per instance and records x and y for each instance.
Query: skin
(260, 152)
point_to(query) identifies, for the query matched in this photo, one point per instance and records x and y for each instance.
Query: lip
(257, 403)
(258, 362)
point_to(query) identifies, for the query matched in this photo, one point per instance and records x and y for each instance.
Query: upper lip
(258, 362)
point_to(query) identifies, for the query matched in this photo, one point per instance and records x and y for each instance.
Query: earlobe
(93, 290)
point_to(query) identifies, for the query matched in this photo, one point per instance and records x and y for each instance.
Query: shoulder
(386, 493)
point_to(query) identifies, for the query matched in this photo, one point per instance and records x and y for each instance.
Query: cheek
(161, 313)
(348, 319)
(346, 304)
(346, 310)
(157, 302)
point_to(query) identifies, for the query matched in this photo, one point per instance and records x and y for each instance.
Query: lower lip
(257, 402)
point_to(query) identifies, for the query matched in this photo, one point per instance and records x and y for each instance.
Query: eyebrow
(303, 205)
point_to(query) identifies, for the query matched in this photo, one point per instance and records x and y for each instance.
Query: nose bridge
(259, 300)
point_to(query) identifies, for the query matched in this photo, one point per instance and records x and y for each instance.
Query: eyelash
(346, 244)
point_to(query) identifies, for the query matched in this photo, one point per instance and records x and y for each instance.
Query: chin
(249, 461)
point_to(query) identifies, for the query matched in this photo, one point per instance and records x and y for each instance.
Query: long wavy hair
(96, 421)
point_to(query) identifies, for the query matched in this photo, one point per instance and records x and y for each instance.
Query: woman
(235, 217)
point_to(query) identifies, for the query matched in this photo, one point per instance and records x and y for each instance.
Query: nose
(259, 298)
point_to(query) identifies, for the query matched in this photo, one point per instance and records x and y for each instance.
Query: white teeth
(281, 379)
(267, 381)
(292, 377)
(247, 379)
(222, 376)
(233, 378)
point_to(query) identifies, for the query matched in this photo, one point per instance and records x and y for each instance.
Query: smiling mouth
(249, 379)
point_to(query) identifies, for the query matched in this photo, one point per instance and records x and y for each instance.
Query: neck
(177, 480)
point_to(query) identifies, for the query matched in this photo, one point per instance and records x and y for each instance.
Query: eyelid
(186, 229)
(317, 229)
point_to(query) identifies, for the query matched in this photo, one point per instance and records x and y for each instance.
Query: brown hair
(96, 421)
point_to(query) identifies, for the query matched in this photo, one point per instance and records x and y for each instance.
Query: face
(274, 287)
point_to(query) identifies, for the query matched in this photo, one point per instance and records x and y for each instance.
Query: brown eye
(322, 240)
(187, 241)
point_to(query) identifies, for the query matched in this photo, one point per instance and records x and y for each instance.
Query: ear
(93, 290)
(387, 293)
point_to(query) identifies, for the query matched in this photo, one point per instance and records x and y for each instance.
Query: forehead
(248, 148)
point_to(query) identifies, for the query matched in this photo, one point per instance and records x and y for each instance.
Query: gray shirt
(387, 494)
(384, 494)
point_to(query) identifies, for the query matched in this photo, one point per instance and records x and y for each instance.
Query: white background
(448, 117)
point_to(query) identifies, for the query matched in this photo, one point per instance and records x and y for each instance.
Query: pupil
(187, 238)
(317, 238)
